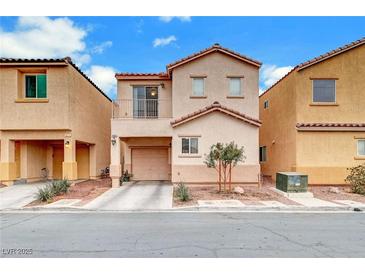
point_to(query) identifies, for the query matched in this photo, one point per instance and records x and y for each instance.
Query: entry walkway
(141, 195)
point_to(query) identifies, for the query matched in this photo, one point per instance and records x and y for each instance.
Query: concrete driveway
(139, 195)
(18, 196)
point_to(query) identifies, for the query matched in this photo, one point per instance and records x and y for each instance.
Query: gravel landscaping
(252, 195)
(326, 193)
(86, 191)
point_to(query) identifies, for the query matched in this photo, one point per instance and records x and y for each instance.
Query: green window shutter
(42, 86)
(30, 86)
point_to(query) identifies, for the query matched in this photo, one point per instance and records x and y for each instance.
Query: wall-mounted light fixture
(162, 85)
(114, 141)
(67, 144)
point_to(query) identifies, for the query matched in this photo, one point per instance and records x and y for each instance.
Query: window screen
(324, 91)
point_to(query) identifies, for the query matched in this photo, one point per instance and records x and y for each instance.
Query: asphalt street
(207, 235)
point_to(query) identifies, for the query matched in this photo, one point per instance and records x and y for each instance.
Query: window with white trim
(324, 91)
(189, 145)
(235, 86)
(263, 155)
(361, 147)
(198, 86)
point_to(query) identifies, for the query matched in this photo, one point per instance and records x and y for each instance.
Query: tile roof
(350, 125)
(320, 58)
(216, 106)
(215, 47)
(163, 74)
(66, 60)
(332, 53)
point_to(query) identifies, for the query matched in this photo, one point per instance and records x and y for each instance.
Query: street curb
(192, 209)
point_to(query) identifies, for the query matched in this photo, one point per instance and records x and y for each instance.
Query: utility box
(291, 182)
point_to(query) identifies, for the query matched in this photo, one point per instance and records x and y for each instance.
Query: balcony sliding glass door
(145, 102)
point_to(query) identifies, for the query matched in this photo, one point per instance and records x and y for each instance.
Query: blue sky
(102, 46)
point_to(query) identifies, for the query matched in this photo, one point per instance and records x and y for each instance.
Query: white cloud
(160, 42)
(101, 47)
(104, 77)
(42, 37)
(270, 74)
(168, 19)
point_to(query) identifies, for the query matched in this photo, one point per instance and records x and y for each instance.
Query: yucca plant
(45, 194)
(182, 192)
(60, 187)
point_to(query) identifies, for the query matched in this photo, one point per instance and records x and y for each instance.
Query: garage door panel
(150, 164)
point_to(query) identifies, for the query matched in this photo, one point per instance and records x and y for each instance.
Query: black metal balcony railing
(141, 108)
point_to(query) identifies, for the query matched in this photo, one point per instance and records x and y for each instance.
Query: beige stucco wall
(74, 110)
(349, 68)
(15, 115)
(209, 130)
(277, 131)
(90, 114)
(216, 67)
(324, 156)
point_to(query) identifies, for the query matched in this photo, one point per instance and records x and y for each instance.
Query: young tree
(223, 158)
(213, 160)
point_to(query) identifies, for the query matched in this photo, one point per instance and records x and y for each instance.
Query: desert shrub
(356, 179)
(126, 177)
(60, 187)
(182, 192)
(45, 194)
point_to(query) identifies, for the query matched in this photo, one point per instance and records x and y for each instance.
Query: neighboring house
(53, 120)
(313, 119)
(164, 123)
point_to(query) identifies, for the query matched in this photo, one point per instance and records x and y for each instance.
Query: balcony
(142, 118)
(142, 109)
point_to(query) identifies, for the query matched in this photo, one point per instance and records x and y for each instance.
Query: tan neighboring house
(313, 119)
(164, 123)
(53, 120)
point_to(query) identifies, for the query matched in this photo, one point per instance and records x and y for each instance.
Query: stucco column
(69, 165)
(50, 161)
(92, 158)
(7, 162)
(115, 166)
(23, 159)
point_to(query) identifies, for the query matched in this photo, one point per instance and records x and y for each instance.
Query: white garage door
(150, 164)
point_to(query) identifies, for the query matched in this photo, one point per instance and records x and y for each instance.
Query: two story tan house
(164, 123)
(313, 119)
(54, 121)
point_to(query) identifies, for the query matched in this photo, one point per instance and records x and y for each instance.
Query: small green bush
(356, 179)
(182, 192)
(45, 194)
(126, 177)
(60, 187)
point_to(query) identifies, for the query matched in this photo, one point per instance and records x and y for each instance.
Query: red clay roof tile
(216, 106)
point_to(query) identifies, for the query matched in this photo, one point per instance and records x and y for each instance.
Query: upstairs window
(189, 145)
(324, 91)
(266, 104)
(36, 86)
(361, 147)
(263, 154)
(198, 86)
(235, 86)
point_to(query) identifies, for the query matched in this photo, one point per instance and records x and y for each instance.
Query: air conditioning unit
(291, 182)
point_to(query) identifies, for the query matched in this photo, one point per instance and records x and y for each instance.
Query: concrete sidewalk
(135, 196)
(18, 196)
